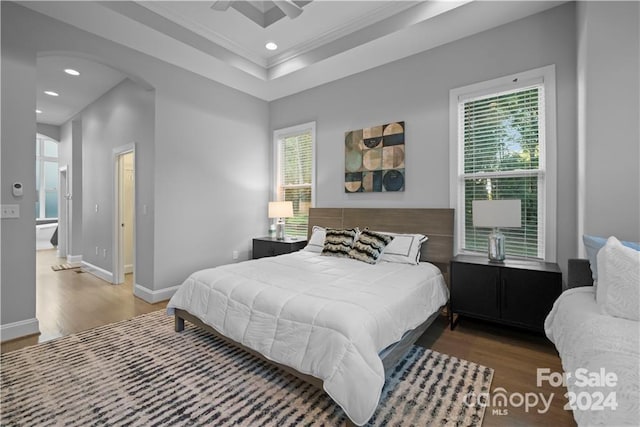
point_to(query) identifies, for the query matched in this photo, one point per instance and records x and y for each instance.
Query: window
(295, 173)
(46, 177)
(503, 146)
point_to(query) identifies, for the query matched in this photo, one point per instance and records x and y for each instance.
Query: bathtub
(44, 232)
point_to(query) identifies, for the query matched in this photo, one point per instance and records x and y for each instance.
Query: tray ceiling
(329, 40)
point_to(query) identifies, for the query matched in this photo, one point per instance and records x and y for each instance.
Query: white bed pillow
(404, 248)
(593, 244)
(618, 290)
(316, 242)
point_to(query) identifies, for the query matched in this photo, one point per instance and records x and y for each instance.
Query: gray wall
(209, 186)
(122, 116)
(52, 131)
(609, 105)
(18, 153)
(416, 90)
(212, 153)
(213, 187)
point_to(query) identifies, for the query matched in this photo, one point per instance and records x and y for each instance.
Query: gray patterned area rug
(140, 372)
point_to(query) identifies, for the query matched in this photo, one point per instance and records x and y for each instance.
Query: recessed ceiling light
(72, 72)
(38, 111)
(271, 46)
(51, 93)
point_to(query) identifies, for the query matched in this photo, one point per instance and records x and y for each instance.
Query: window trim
(280, 134)
(40, 161)
(548, 155)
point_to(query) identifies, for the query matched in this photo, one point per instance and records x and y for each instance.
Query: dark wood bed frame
(437, 224)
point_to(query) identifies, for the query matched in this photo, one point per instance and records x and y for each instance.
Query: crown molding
(371, 18)
(418, 13)
(140, 29)
(340, 31)
(204, 31)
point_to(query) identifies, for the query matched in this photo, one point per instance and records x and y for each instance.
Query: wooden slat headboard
(437, 224)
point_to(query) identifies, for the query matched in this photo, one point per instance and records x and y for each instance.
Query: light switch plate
(10, 211)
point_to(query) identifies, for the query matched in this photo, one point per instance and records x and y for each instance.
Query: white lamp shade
(280, 209)
(496, 213)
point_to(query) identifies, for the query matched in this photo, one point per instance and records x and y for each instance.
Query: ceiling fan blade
(289, 8)
(221, 5)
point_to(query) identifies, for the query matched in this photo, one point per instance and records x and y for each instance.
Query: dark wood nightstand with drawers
(270, 246)
(514, 292)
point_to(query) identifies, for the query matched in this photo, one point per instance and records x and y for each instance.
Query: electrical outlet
(97, 250)
(104, 253)
(97, 207)
(235, 254)
(10, 211)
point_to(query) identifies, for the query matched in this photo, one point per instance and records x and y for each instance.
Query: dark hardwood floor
(515, 355)
(69, 302)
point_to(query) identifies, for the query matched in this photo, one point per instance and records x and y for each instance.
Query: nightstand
(514, 292)
(270, 246)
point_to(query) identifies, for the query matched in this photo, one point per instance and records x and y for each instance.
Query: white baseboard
(74, 260)
(14, 330)
(97, 271)
(128, 268)
(153, 297)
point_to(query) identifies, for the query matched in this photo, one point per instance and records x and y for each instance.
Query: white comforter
(589, 340)
(324, 316)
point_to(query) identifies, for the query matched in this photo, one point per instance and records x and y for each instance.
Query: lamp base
(496, 246)
(280, 229)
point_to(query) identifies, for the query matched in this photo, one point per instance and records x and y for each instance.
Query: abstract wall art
(374, 159)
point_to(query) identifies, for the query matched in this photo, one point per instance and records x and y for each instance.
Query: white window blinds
(294, 181)
(501, 137)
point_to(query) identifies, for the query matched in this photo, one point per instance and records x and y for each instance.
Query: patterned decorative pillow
(338, 241)
(369, 246)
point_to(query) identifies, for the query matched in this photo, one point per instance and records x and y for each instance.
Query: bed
(600, 351)
(337, 323)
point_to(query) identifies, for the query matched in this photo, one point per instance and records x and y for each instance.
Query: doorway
(124, 213)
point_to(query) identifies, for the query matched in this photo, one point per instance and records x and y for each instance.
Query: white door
(124, 213)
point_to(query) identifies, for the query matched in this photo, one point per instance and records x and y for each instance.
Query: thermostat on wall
(17, 189)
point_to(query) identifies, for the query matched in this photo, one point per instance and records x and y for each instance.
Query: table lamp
(280, 210)
(495, 214)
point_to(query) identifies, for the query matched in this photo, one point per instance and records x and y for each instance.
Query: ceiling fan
(268, 15)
